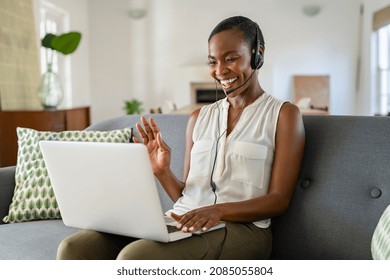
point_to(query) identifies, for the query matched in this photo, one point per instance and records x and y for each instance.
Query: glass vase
(50, 90)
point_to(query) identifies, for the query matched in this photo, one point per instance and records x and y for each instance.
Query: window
(381, 25)
(383, 69)
(55, 20)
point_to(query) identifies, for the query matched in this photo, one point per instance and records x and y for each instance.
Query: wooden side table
(56, 120)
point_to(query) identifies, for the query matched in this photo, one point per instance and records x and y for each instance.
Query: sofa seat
(37, 240)
(342, 190)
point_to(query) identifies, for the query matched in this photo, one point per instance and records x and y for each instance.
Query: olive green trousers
(235, 241)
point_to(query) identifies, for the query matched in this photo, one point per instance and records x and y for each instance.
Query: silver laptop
(108, 187)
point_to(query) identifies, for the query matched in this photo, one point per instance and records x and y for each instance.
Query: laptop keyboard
(172, 229)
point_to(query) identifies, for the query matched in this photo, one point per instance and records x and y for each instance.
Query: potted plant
(133, 106)
(50, 88)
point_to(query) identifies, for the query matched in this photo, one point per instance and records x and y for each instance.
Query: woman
(243, 156)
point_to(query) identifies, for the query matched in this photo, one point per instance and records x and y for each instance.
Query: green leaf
(47, 203)
(46, 41)
(43, 193)
(43, 215)
(41, 182)
(19, 216)
(36, 193)
(21, 195)
(51, 214)
(27, 215)
(51, 192)
(39, 204)
(66, 43)
(31, 205)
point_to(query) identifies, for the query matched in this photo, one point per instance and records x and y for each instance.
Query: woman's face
(229, 60)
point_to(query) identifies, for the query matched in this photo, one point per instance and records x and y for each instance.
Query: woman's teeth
(226, 83)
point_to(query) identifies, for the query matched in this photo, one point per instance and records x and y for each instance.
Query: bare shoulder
(193, 117)
(195, 114)
(289, 113)
(290, 118)
(289, 110)
(191, 122)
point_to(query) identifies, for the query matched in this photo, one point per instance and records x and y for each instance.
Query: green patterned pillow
(33, 195)
(380, 244)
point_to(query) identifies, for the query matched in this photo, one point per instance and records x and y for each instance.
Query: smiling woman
(242, 159)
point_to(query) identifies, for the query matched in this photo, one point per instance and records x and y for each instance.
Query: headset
(257, 59)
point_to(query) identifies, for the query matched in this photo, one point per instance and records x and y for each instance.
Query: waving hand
(159, 152)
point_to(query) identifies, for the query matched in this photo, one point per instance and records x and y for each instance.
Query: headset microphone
(234, 89)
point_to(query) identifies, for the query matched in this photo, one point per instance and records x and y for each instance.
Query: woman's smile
(226, 84)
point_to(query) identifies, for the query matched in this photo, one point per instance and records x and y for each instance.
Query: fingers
(149, 130)
(193, 221)
(207, 226)
(164, 147)
(176, 217)
(154, 126)
(142, 133)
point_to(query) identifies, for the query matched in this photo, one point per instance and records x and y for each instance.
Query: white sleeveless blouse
(244, 158)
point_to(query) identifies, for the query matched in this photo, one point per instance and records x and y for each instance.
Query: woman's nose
(221, 69)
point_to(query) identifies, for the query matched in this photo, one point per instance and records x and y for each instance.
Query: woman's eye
(231, 59)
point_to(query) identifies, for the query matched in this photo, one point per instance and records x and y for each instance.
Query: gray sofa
(343, 188)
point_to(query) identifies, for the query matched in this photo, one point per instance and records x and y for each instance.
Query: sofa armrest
(7, 185)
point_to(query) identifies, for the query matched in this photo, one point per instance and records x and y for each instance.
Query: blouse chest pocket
(200, 158)
(248, 161)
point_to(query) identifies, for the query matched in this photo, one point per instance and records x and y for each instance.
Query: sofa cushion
(343, 189)
(36, 240)
(33, 197)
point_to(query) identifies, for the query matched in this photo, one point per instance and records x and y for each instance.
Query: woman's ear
(261, 50)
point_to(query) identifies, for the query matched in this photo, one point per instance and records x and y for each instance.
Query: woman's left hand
(199, 219)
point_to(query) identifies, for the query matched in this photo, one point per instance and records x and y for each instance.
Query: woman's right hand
(159, 151)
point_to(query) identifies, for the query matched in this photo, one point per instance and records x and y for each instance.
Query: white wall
(295, 44)
(154, 58)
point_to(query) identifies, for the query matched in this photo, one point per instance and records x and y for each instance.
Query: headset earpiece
(256, 59)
